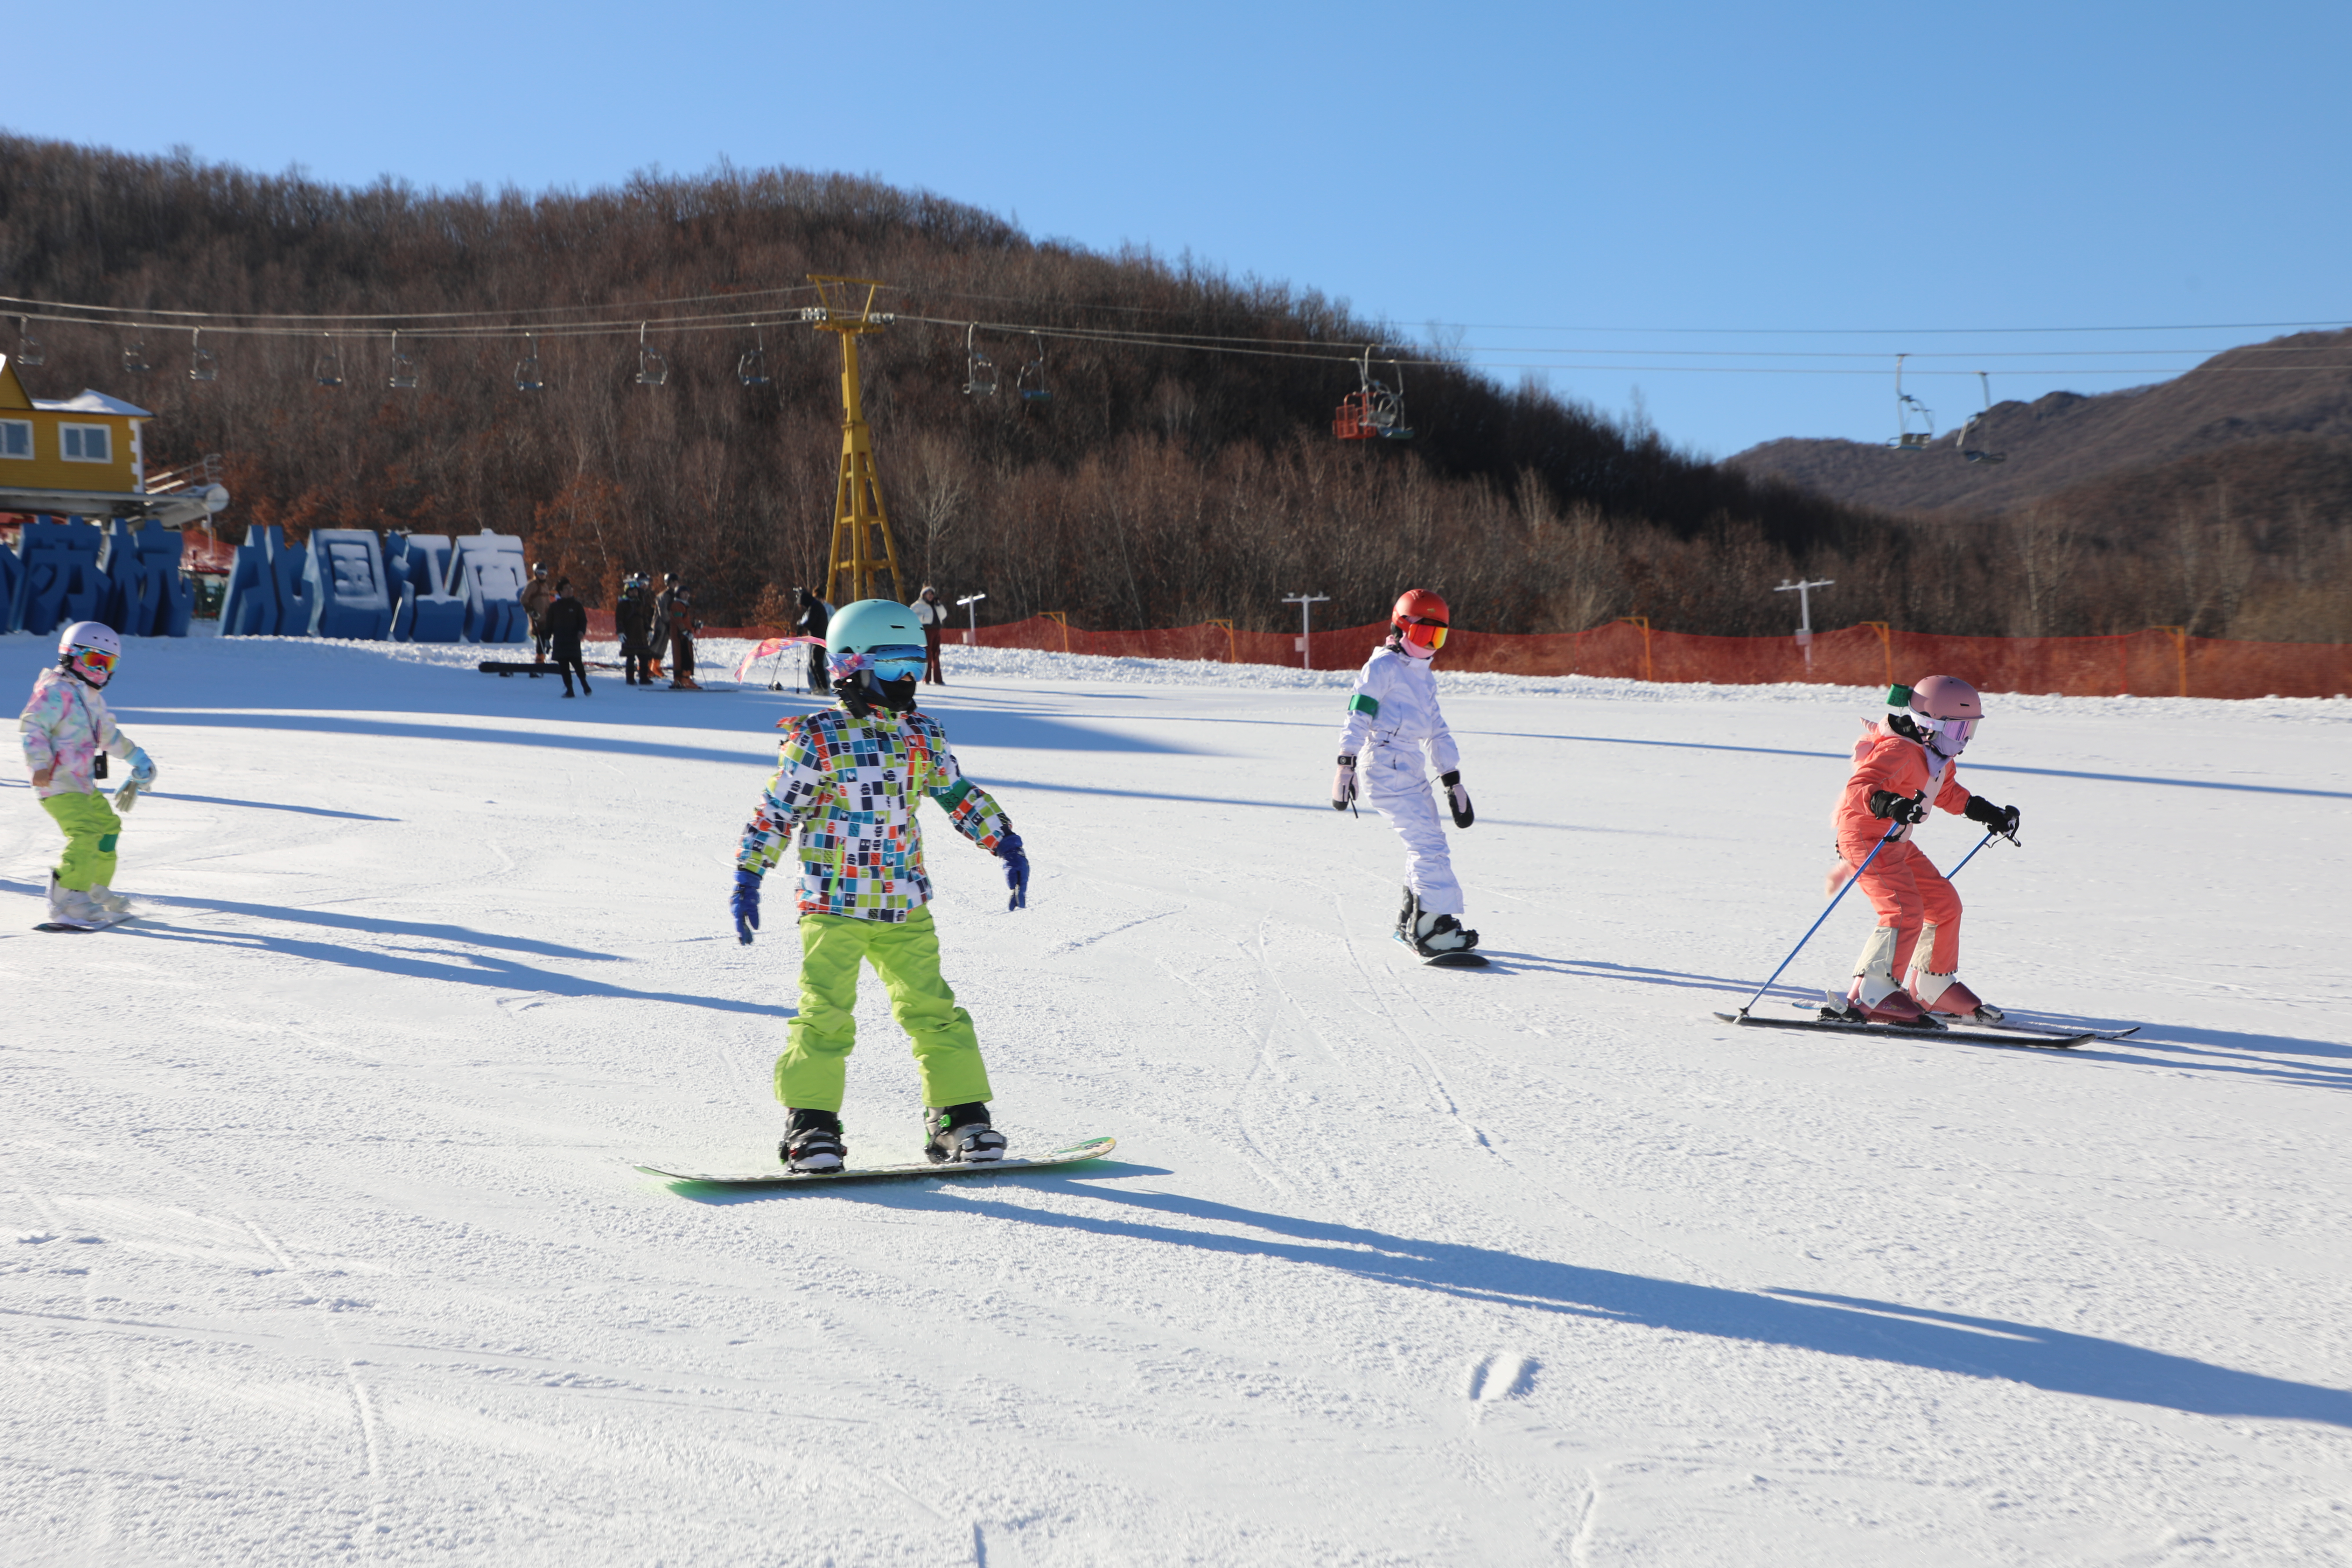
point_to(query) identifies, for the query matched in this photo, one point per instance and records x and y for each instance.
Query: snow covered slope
(321, 1242)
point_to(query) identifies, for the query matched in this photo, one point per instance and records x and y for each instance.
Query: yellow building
(83, 457)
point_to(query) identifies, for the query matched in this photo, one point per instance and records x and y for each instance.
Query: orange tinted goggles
(1430, 635)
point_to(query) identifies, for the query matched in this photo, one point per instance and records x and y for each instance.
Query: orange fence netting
(2153, 663)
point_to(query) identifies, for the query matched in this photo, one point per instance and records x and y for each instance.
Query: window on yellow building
(16, 438)
(87, 443)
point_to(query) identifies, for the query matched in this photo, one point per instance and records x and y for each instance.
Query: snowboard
(1461, 959)
(1092, 1149)
(101, 923)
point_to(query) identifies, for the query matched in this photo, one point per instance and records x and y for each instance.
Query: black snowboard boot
(812, 1142)
(960, 1135)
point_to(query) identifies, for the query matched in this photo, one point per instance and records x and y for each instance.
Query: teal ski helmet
(875, 649)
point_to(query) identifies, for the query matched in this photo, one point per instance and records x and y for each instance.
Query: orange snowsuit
(1906, 889)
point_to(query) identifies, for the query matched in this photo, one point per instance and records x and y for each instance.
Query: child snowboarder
(66, 726)
(1393, 722)
(849, 778)
(1903, 763)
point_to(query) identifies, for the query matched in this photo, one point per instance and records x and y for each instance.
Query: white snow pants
(1396, 784)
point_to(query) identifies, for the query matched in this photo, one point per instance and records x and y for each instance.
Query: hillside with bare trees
(1184, 466)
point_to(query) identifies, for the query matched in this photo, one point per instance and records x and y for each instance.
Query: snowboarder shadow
(1992, 1349)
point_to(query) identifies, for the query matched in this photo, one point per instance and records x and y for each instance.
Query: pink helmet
(1944, 709)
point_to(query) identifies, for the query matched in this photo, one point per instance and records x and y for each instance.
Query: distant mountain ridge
(2272, 420)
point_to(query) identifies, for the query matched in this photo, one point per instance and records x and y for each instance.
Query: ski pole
(1841, 894)
(1991, 834)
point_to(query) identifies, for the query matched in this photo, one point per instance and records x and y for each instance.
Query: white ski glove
(1343, 785)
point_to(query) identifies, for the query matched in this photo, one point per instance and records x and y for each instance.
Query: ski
(2013, 1039)
(1092, 1149)
(2015, 1026)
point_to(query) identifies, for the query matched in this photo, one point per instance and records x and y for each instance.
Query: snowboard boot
(1432, 935)
(960, 1135)
(812, 1142)
(1945, 994)
(72, 907)
(107, 900)
(1874, 994)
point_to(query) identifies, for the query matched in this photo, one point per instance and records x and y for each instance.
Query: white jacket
(1392, 709)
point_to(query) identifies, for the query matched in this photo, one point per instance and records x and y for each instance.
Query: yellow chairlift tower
(863, 553)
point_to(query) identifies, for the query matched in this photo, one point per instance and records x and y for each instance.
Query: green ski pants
(90, 828)
(811, 1072)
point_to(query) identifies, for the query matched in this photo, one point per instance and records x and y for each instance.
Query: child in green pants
(848, 780)
(66, 726)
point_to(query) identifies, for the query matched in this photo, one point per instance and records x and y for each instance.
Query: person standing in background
(633, 617)
(814, 617)
(675, 609)
(931, 615)
(567, 624)
(535, 597)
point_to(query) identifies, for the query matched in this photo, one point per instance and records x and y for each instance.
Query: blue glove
(746, 905)
(143, 768)
(1016, 869)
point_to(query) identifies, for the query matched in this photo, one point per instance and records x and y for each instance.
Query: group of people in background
(646, 623)
(649, 623)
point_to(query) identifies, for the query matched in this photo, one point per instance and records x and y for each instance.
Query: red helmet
(1418, 604)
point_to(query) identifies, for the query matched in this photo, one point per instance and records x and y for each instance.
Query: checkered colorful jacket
(851, 785)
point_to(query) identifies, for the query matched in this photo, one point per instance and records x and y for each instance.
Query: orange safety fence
(2158, 662)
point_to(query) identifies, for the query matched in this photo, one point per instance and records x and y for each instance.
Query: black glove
(2001, 819)
(1907, 809)
(1458, 798)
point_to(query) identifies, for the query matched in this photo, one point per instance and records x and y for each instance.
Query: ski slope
(322, 1242)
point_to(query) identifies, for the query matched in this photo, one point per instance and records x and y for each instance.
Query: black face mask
(861, 694)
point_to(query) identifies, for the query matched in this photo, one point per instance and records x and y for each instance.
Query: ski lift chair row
(1373, 409)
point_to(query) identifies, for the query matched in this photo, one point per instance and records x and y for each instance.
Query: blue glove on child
(1016, 869)
(746, 905)
(143, 768)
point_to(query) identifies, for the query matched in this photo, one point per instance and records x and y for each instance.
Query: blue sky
(1667, 198)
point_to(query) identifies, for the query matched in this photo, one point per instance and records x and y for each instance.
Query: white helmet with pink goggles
(89, 649)
(1940, 712)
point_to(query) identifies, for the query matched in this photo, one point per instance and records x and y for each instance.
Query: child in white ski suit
(1395, 733)
(65, 726)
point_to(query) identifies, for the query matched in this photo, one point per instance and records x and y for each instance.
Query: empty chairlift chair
(203, 365)
(1031, 385)
(1906, 409)
(979, 370)
(527, 373)
(652, 369)
(404, 367)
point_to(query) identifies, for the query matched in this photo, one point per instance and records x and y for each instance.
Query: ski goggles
(92, 661)
(1430, 635)
(1951, 735)
(898, 661)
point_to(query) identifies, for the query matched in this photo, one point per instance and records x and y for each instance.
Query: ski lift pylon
(527, 374)
(29, 347)
(979, 370)
(1905, 406)
(751, 365)
(1032, 382)
(202, 363)
(1374, 409)
(403, 367)
(652, 369)
(1976, 454)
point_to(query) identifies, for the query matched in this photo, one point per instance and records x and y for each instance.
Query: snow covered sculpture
(427, 610)
(489, 572)
(350, 592)
(12, 579)
(146, 597)
(249, 601)
(59, 579)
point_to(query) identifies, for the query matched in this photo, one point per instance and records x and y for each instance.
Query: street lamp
(972, 638)
(1305, 603)
(1804, 591)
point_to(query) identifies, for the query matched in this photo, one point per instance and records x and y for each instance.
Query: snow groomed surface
(322, 1245)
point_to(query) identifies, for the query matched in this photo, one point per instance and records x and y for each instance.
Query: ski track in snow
(317, 1240)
